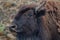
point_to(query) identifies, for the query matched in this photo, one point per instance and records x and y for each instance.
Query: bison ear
(40, 9)
(41, 13)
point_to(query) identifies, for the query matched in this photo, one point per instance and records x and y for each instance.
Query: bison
(36, 22)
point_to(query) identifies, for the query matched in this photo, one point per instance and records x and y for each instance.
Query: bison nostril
(12, 26)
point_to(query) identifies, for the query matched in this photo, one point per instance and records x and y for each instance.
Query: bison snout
(12, 28)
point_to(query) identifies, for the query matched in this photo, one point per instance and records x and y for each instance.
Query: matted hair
(37, 22)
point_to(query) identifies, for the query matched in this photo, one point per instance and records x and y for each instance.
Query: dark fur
(34, 25)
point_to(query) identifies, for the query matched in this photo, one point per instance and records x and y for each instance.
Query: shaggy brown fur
(37, 22)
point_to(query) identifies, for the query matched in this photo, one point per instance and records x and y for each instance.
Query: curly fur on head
(40, 24)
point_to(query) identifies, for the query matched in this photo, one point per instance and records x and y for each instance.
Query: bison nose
(12, 28)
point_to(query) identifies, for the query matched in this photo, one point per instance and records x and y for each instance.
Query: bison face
(26, 21)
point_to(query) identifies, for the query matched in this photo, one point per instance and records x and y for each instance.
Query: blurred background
(8, 9)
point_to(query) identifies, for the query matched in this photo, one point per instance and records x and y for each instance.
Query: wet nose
(12, 28)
